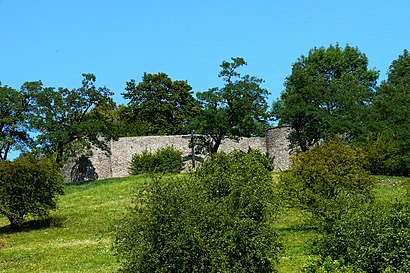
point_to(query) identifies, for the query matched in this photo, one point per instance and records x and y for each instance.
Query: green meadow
(78, 235)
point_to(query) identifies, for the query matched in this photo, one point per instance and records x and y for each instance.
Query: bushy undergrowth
(357, 234)
(29, 186)
(327, 181)
(165, 160)
(328, 265)
(382, 156)
(374, 238)
(216, 220)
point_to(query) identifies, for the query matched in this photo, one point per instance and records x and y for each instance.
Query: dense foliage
(29, 186)
(238, 109)
(16, 107)
(159, 105)
(63, 122)
(164, 160)
(216, 220)
(374, 238)
(328, 265)
(327, 181)
(390, 115)
(328, 93)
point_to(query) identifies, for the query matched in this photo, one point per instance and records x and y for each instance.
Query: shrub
(327, 180)
(381, 155)
(316, 265)
(215, 220)
(374, 239)
(165, 160)
(28, 186)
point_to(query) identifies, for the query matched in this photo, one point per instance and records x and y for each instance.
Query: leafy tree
(327, 181)
(160, 104)
(390, 113)
(64, 123)
(327, 94)
(29, 186)
(382, 154)
(217, 220)
(15, 111)
(238, 109)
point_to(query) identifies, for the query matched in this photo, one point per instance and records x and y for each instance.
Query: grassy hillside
(78, 236)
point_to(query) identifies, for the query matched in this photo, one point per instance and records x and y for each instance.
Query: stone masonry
(100, 165)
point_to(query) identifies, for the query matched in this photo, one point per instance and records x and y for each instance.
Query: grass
(78, 236)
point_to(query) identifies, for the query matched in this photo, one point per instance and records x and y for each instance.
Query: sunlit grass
(78, 236)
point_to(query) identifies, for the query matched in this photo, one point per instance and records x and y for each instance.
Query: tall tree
(15, 111)
(326, 94)
(390, 112)
(160, 105)
(238, 109)
(64, 123)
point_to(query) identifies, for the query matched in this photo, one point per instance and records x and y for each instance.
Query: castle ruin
(101, 166)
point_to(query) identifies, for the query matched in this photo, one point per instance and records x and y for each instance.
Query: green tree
(217, 220)
(390, 113)
(161, 105)
(327, 181)
(64, 122)
(327, 94)
(29, 186)
(238, 109)
(15, 111)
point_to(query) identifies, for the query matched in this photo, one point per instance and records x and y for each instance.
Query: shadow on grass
(37, 224)
(302, 227)
(88, 184)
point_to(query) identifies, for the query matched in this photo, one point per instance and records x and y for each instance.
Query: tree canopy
(15, 109)
(63, 121)
(390, 113)
(327, 94)
(160, 105)
(238, 109)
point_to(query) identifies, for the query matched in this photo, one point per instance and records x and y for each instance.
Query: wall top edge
(278, 127)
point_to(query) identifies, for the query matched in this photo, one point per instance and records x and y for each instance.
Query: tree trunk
(216, 145)
(15, 224)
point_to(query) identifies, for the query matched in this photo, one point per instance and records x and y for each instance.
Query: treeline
(330, 92)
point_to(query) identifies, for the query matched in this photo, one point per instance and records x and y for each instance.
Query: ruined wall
(100, 165)
(278, 147)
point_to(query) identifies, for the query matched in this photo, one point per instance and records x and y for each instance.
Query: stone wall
(100, 165)
(278, 147)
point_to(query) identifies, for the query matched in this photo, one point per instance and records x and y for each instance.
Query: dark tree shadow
(36, 224)
(83, 170)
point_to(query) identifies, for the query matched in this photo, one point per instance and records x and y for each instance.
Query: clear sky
(56, 41)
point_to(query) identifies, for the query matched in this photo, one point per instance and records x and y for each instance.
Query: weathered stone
(278, 147)
(100, 165)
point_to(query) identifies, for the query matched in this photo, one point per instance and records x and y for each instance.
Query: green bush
(375, 238)
(29, 186)
(165, 160)
(215, 220)
(327, 181)
(316, 265)
(381, 155)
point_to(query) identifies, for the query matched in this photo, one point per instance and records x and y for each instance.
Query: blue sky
(57, 41)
